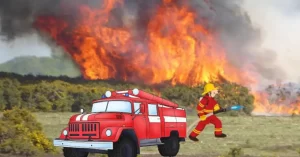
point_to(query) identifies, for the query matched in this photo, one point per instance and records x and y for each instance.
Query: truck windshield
(112, 106)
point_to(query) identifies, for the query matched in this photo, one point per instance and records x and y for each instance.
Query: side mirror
(142, 109)
(81, 111)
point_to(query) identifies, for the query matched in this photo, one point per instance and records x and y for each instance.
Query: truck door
(139, 122)
(154, 120)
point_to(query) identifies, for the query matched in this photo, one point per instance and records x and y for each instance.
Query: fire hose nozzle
(234, 108)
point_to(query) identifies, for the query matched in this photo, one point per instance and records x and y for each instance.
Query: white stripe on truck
(180, 119)
(78, 117)
(170, 119)
(85, 117)
(164, 106)
(156, 119)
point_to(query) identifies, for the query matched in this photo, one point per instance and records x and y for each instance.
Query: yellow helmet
(208, 88)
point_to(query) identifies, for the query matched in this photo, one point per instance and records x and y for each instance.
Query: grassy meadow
(254, 136)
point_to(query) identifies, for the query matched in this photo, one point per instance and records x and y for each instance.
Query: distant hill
(41, 66)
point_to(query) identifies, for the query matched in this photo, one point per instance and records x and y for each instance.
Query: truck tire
(123, 148)
(170, 147)
(73, 152)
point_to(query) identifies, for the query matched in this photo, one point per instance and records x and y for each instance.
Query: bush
(43, 93)
(21, 134)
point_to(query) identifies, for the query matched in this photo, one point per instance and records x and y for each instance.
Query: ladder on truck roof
(136, 93)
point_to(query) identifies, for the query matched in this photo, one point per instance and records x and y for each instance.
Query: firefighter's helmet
(208, 88)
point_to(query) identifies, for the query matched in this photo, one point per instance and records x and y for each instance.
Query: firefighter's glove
(203, 117)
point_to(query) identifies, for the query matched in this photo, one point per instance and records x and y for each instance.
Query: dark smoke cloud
(225, 17)
(17, 16)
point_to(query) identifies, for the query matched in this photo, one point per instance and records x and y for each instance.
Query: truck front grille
(87, 127)
(74, 127)
(84, 129)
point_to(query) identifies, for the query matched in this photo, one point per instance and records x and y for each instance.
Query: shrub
(44, 93)
(21, 134)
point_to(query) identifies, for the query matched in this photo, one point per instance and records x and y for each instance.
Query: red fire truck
(123, 121)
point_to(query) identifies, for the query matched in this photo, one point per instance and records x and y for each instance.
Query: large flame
(171, 46)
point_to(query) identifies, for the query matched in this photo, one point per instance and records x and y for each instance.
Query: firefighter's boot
(221, 136)
(193, 138)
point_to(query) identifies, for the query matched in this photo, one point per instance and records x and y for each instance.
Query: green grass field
(256, 136)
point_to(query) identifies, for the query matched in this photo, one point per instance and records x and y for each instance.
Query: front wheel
(170, 147)
(123, 148)
(74, 152)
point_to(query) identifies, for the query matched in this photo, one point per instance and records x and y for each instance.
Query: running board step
(150, 142)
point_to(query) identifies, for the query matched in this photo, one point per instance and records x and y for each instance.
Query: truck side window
(152, 110)
(137, 106)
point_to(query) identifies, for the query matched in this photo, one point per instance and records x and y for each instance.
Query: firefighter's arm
(200, 109)
(218, 109)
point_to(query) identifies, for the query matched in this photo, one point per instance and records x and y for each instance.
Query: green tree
(10, 93)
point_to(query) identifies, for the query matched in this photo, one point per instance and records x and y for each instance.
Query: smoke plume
(241, 40)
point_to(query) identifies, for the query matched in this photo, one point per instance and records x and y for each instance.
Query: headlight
(65, 132)
(108, 132)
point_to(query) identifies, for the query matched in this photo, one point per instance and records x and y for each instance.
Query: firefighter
(206, 106)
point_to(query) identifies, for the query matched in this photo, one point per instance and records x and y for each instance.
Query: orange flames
(170, 49)
(262, 106)
(171, 46)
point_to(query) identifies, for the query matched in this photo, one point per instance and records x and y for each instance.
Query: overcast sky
(31, 45)
(280, 24)
(278, 19)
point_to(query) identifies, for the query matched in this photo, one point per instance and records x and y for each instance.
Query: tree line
(64, 94)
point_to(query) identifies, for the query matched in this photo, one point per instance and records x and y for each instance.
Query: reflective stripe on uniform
(201, 105)
(201, 111)
(218, 129)
(196, 131)
(208, 111)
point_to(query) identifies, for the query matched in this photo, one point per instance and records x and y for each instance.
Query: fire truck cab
(123, 121)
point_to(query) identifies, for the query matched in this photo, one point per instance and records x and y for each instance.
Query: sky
(29, 45)
(279, 21)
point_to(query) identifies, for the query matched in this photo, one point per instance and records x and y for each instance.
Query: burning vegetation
(155, 41)
(172, 44)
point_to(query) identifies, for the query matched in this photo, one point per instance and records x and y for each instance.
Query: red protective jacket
(207, 105)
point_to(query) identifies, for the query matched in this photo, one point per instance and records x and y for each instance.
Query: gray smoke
(241, 39)
(287, 94)
(236, 32)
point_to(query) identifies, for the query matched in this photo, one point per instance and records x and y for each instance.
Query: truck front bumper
(84, 144)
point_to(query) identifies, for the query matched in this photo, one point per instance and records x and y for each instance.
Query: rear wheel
(74, 152)
(123, 148)
(170, 147)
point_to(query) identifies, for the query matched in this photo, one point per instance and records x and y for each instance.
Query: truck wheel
(123, 148)
(73, 152)
(170, 147)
